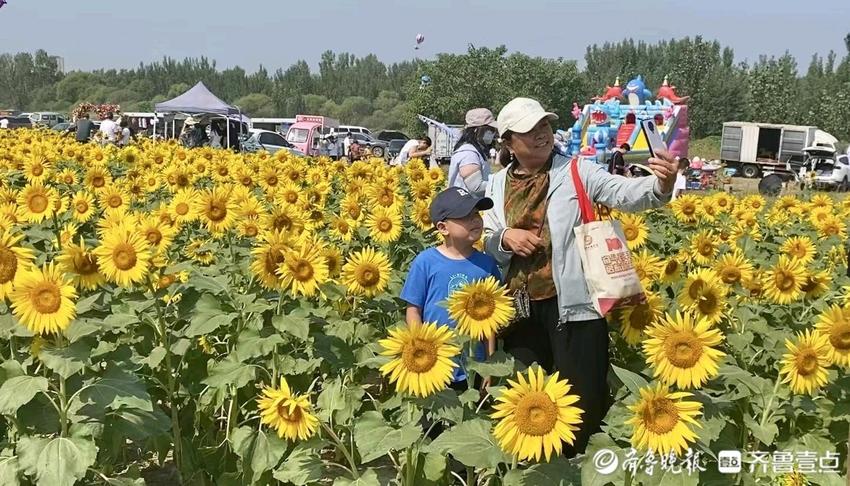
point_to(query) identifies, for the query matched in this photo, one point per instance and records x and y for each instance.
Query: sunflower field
(174, 316)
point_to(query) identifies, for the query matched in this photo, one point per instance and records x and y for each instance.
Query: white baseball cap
(520, 115)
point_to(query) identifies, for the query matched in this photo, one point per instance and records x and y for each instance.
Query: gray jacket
(562, 216)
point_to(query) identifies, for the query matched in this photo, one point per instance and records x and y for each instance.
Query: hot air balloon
(4, 2)
(419, 39)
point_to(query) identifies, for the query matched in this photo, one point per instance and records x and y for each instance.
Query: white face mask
(488, 137)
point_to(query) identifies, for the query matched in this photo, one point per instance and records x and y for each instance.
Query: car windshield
(297, 135)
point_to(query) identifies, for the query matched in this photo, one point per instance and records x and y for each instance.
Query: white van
(46, 118)
(343, 129)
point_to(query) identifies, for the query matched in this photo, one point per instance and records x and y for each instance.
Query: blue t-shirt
(433, 277)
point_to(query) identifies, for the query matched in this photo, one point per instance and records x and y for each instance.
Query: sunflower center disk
(217, 211)
(8, 265)
(182, 208)
(706, 249)
(114, 201)
(284, 414)
(419, 356)
(683, 349)
(671, 267)
(37, 170)
(839, 336)
(695, 289)
(46, 298)
(730, 275)
(368, 276)
(784, 280)
(385, 225)
(707, 303)
(480, 306)
(303, 271)
(660, 416)
(536, 414)
(630, 233)
(282, 222)
(153, 236)
(807, 363)
(273, 259)
(124, 256)
(38, 203)
(85, 264)
(98, 181)
(640, 317)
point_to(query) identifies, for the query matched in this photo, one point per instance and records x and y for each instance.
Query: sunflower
(97, 177)
(733, 268)
(290, 414)
(384, 225)
(834, 323)
(804, 367)
(686, 209)
(636, 319)
(799, 248)
(536, 416)
(703, 247)
(783, 283)
(217, 210)
(249, 227)
(80, 264)
(267, 256)
(480, 308)
(66, 235)
(342, 228)
(303, 270)
(647, 266)
(123, 256)
(794, 478)
(421, 215)
(113, 198)
(184, 206)
(285, 217)
(663, 420)
(680, 349)
(693, 284)
(158, 234)
(635, 229)
(43, 300)
(832, 226)
(37, 202)
(421, 190)
(672, 270)
(198, 250)
(436, 176)
(351, 207)
(421, 361)
(290, 193)
(67, 177)
(723, 202)
(14, 259)
(816, 284)
(366, 273)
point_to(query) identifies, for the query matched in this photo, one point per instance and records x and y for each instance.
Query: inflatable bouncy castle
(614, 119)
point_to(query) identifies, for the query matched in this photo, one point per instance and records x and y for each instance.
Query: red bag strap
(584, 203)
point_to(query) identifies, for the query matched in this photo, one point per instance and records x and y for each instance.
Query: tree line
(364, 90)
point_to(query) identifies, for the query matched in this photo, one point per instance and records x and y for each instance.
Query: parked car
(19, 122)
(395, 147)
(390, 135)
(342, 130)
(46, 118)
(61, 127)
(826, 170)
(269, 141)
(377, 147)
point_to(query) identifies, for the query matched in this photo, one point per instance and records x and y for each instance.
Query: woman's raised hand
(522, 242)
(664, 165)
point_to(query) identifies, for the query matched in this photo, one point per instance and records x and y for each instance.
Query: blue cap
(457, 203)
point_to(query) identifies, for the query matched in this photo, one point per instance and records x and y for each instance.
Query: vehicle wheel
(751, 171)
(378, 151)
(844, 186)
(771, 185)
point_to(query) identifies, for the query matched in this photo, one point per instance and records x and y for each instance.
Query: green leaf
(259, 450)
(367, 478)
(118, 322)
(61, 461)
(559, 472)
(374, 437)
(631, 380)
(251, 345)
(601, 454)
(85, 304)
(471, 443)
(9, 326)
(66, 361)
(203, 324)
(294, 325)
(9, 471)
(117, 389)
(303, 466)
(444, 405)
(154, 358)
(229, 371)
(18, 391)
(217, 285)
(80, 328)
(499, 364)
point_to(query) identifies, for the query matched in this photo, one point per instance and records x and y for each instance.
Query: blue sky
(92, 34)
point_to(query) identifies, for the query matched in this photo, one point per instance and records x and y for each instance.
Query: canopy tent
(199, 100)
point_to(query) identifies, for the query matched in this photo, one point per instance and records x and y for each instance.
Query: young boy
(437, 272)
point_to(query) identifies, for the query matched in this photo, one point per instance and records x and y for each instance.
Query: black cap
(457, 203)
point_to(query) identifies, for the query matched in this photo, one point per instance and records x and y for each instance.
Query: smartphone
(653, 136)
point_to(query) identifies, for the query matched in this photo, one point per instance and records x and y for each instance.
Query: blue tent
(198, 99)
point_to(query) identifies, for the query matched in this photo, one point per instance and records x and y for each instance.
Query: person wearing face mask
(469, 168)
(529, 231)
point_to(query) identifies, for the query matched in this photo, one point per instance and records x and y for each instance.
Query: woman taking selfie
(530, 233)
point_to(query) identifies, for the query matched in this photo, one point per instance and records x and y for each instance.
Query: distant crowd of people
(110, 131)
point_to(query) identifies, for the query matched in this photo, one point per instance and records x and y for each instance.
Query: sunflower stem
(63, 397)
(766, 411)
(175, 420)
(470, 475)
(335, 438)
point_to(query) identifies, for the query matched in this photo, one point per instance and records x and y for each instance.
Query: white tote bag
(607, 262)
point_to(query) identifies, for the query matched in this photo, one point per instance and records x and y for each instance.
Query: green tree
(256, 105)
